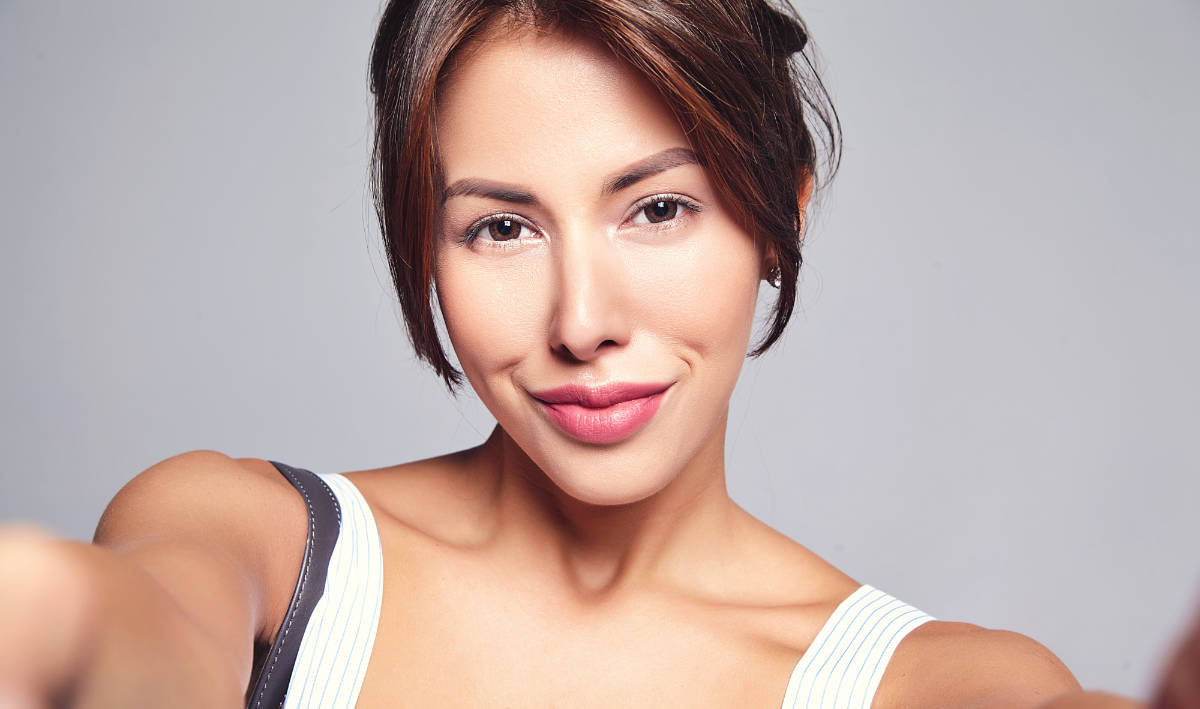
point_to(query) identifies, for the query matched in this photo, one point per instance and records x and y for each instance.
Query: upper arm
(223, 537)
(959, 665)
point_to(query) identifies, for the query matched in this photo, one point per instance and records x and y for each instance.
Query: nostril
(567, 354)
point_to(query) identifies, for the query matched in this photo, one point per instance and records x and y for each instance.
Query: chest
(491, 673)
(453, 637)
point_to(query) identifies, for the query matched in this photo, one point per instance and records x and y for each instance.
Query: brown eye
(504, 229)
(661, 210)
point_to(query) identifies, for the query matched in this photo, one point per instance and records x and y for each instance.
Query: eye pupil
(661, 211)
(504, 229)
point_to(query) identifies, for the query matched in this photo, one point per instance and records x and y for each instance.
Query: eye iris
(504, 229)
(661, 211)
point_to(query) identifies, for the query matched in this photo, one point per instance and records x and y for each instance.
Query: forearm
(99, 631)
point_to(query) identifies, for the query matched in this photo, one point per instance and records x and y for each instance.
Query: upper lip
(601, 396)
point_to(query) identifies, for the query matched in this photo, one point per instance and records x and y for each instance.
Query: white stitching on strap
(304, 569)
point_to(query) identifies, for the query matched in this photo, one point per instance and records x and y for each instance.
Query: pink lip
(604, 414)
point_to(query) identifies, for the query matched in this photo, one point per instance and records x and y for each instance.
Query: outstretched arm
(186, 572)
(1091, 700)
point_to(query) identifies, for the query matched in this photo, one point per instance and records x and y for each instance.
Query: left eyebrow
(490, 189)
(648, 167)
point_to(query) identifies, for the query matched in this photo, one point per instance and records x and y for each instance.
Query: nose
(591, 313)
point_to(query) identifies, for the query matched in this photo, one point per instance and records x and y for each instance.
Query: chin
(608, 479)
(623, 473)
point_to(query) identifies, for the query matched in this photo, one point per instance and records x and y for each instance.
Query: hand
(45, 615)
(1180, 687)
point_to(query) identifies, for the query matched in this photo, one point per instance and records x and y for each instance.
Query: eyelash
(472, 232)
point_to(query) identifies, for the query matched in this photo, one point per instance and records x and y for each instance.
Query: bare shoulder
(200, 516)
(943, 664)
(447, 497)
(191, 491)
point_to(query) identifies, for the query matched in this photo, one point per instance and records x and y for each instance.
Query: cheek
(703, 293)
(493, 311)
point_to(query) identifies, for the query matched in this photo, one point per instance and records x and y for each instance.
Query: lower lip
(607, 425)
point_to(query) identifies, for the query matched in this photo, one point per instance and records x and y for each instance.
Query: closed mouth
(599, 397)
(603, 414)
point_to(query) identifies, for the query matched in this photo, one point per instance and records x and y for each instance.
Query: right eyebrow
(488, 188)
(648, 167)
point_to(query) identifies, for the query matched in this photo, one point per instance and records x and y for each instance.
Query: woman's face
(580, 247)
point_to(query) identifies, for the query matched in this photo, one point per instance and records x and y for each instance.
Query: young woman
(592, 193)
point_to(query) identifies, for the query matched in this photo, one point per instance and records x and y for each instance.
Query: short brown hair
(733, 72)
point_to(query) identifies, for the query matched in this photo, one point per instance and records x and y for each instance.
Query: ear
(804, 193)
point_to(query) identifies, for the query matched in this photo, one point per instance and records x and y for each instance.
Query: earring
(774, 277)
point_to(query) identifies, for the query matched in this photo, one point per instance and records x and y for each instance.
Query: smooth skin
(534, 570)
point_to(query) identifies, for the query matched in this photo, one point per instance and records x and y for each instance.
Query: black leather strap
(324, 522)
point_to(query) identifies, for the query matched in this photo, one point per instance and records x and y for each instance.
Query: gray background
(982, 402)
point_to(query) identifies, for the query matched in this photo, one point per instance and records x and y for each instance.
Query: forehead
(537, 103)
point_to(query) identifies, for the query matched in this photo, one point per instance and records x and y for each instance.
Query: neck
(670, 537)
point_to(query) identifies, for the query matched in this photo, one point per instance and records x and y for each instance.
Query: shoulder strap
(335, 651)
(843, 666)
(324, 523)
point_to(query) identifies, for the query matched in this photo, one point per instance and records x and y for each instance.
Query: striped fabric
(337, 643)
(840, 670)
(843, 666)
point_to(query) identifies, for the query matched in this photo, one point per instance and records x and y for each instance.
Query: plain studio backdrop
(983, 403)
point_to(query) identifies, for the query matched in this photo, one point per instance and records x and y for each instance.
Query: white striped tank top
(337, 643)
(840, 670)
